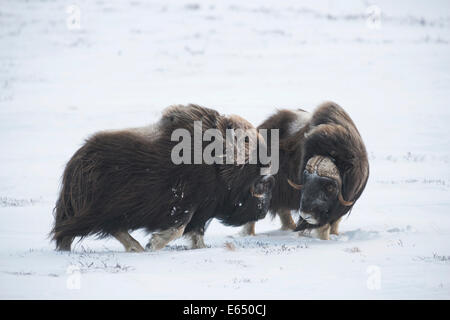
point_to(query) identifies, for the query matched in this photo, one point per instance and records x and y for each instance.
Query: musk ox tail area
(115, 183)
(66, 225)
(74, 212)
(63, 212)
(65, 231)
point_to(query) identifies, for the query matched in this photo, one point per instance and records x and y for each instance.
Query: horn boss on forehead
(325, 167)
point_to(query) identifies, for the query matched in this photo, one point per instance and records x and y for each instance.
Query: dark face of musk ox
(321, 193)
(249, 206)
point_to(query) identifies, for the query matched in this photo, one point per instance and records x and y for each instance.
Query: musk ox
(323, 168)
(124, 180)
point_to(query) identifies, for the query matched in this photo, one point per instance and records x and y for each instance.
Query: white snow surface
(131, 59)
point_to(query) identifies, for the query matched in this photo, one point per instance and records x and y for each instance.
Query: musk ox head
(334, 169)
(249, 206)
(249, 192)
(322, 189)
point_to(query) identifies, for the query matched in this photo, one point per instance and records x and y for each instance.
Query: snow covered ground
(130, 59)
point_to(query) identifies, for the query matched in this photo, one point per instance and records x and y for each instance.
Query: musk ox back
(323, 168)
(120, 181)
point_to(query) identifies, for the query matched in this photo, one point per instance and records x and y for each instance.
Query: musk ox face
(250, 205)
(321, 193)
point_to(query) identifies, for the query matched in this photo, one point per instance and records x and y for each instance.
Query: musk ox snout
(314, 207)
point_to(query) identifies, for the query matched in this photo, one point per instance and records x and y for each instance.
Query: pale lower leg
(130, 244)
(287, 223)
(335, 226)
(324, 232)
(197, 240)
(248, 229)
(160, 239)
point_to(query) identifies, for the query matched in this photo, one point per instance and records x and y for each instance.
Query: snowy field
(130, 59)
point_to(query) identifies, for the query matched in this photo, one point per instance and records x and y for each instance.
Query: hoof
(155, 244)
(149, 247)
(248, 230)
(245, 233)
(199, 246)
(135, 249)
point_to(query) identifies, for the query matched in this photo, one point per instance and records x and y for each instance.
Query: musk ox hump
(184, 116)
(301, 119)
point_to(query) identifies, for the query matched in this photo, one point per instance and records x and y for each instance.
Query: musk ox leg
(249, 229)
(130, 244)
(335, 227)
(160, 239)
(197, 241)
(64, 244)
(287, 223)
(324, 232)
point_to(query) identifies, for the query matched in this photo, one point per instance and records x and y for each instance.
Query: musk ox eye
(330, 188)
(306, 174)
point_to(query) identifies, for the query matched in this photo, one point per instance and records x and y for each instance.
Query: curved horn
(344, 202)
(294, 185)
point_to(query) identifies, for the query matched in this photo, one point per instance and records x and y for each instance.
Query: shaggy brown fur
(120, 181)
(330, 132)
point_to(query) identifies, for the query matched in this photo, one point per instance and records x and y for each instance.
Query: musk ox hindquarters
(120, 181)
(323, 168)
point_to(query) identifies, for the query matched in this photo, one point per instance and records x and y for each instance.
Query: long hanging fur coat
(124, 180)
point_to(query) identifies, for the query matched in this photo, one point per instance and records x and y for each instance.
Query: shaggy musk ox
(124, 180)
(323, 168)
